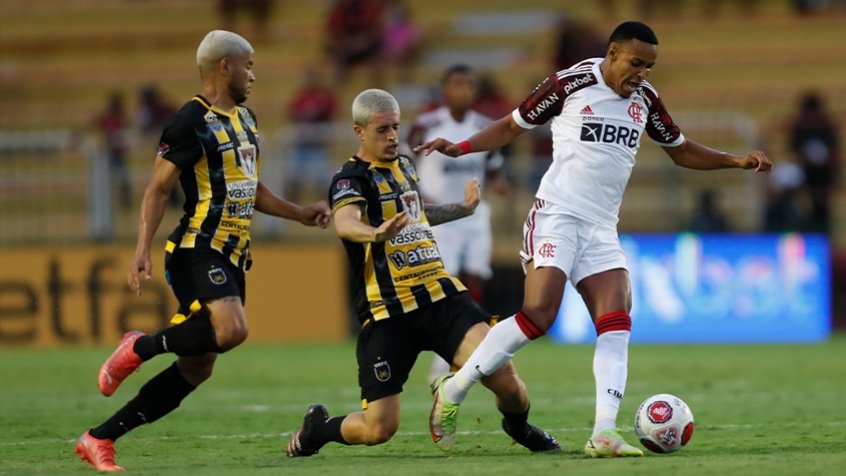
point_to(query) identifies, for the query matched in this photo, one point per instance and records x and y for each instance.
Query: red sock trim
(527, 326)
(614, 321)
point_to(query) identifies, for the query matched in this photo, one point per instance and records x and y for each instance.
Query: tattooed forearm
(437, 214)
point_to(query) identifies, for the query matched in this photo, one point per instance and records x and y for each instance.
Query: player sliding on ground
(405, 300)
(599, 110)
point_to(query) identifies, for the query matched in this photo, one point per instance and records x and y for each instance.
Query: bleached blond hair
(219, 44)
(372, 101)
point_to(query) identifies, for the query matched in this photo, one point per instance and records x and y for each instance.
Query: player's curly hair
(372, 101)
(633, 30)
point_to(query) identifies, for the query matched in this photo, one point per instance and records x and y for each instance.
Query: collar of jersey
(205, 102)
(383, 164)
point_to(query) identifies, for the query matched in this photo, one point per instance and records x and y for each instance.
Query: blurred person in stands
(153, 112)
(354, 36)
(813, 136)
(708, 217)
(574, 41)
(600, 109)
(258, 10)
(401, 40)
(464, 245)
(405, 300)
(211, 148)
(113, 124)
(311, 111)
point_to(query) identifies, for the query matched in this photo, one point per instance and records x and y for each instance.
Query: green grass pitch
(760, 409)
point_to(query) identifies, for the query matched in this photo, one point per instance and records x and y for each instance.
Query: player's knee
(541, 314)
(231, 336)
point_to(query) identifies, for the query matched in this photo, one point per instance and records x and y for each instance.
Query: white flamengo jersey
(595, 136)
(442, 178)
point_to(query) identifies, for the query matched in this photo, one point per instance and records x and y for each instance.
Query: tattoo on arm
(437, 214)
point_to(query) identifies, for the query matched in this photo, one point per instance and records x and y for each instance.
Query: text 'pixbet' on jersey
(610, 134)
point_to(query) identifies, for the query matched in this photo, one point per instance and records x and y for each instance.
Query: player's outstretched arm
(437, 214)
(164, 178)
(693, 155)
(494, 136)
(348, 225)
(313, 214)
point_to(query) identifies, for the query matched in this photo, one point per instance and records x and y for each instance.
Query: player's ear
(359, 132)
(612, 50)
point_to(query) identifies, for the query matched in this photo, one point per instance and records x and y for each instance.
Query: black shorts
(202, 275)
(387, 349)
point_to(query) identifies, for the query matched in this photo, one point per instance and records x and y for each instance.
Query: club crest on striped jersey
(247, 159)
(411, 204)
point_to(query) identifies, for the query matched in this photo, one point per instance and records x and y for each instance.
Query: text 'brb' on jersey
(596, 134)
(402, 274)
(218, 154)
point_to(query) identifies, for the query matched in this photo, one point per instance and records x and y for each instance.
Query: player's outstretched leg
(120, 364)
(532, 437)
(302, 441)
(609, 444)
(100, 453)
(443, 420)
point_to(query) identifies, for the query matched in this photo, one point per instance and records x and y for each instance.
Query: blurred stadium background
(731, 72)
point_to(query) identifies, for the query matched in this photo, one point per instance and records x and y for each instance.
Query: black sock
(330, 430)
(193, 337)
(158, 397)
(517, 421)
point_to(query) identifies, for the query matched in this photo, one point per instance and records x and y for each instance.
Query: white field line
(284, 435)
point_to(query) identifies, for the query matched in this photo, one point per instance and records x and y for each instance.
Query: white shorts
(577, 247)
(466, 244)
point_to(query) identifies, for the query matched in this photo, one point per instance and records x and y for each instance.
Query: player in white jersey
(465, 245)
(599, 110)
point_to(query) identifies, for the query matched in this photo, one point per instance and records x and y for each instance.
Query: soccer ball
(663, 423)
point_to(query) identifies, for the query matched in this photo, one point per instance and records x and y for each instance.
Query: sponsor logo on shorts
(217, 276)
(382, 369)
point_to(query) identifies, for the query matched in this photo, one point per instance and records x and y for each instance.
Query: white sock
(610, 369)
(497, 348)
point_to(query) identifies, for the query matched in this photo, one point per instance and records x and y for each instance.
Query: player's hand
(141, 265)
(472, 194)
(756, 160)
(441, 145)
(316, 214)
(391, 227)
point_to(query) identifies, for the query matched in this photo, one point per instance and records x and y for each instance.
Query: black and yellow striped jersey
(402, 274)
(218, 154)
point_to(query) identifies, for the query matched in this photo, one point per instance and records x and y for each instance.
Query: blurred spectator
(492, 102)
(785, 210)
(575, 41)
(153, 111)
(112, 124)
(258, 10)
(401, 40)
(814, 142)
(708, 216)
(808, 7)
(311, 111)
(355, 30)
